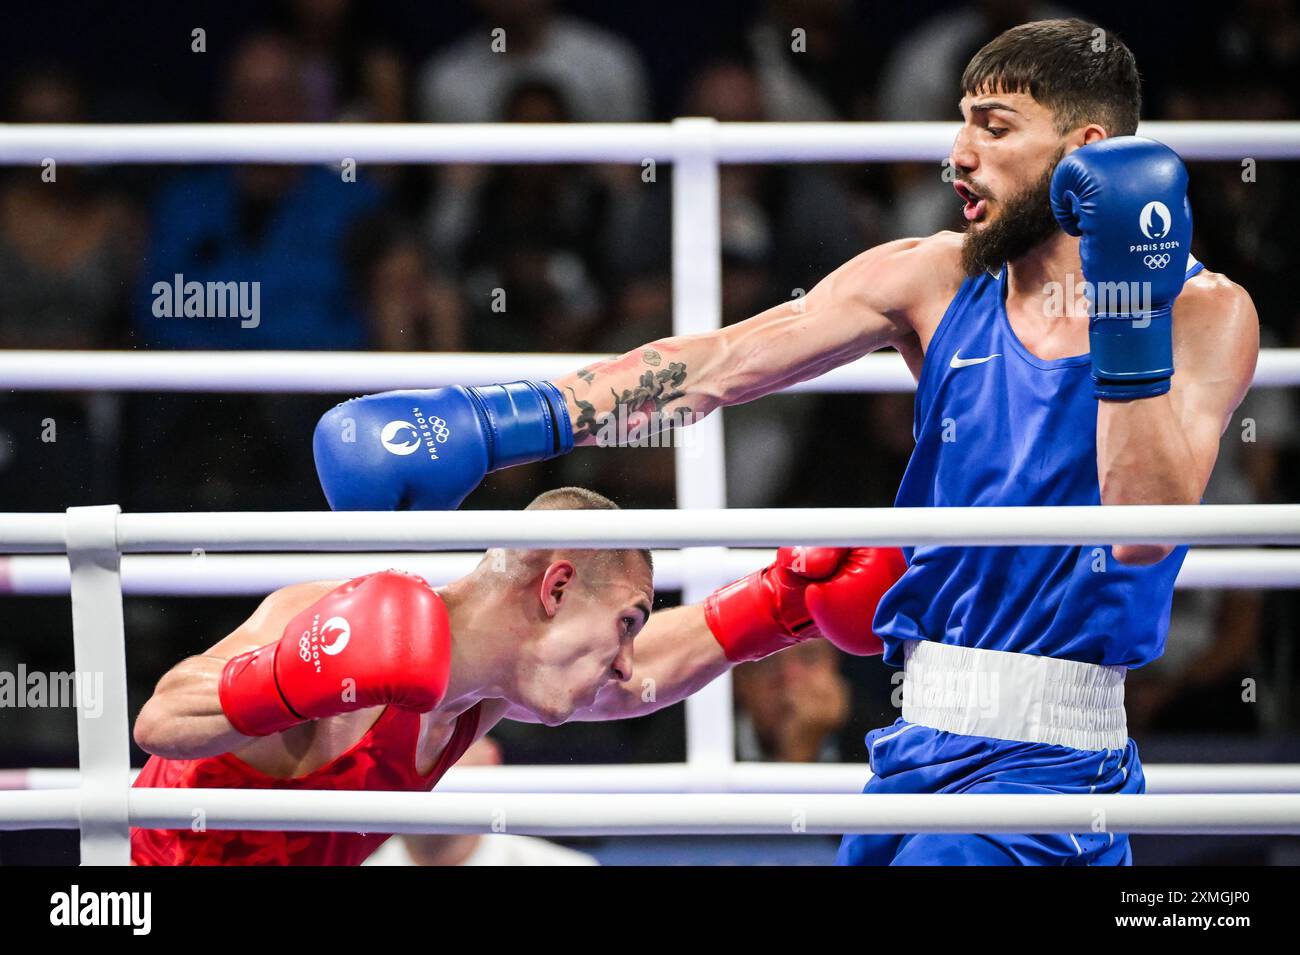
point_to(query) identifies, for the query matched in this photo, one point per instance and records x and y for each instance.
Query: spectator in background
(791, 706)
(783, 230)
(600, 74)
(1245, 210)
(1216, 636)
(351, 73)
(829, 78)
(596, 75)
(782, 226)
(477, 849)
(1262, 37)
(68, 245)
(284, 227)
(866, 471)
(528, 241)
(792, 221)
(409, 305)
(922, 77)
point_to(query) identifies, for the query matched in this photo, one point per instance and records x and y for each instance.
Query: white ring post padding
(746, 778)
(99, 651)
(607, 814)
(88, 144)
(700, 463)
(364, 372)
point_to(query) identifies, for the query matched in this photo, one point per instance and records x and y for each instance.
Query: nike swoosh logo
(959, 362)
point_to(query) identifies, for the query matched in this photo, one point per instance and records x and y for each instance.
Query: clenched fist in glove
(808, 592)
(383, 637)
(427, 450)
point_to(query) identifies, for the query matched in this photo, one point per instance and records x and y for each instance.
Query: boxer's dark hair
(1079, 71)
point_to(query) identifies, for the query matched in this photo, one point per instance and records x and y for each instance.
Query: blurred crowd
(543, 257)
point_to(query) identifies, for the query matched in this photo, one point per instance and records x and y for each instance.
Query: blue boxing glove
(426, 450)
(1127, 199)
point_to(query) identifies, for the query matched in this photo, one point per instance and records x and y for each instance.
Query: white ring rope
(832, 526)
(610, 814)
(213, 575)
(363, 372)
(367, 372)
(30, 144)
(1162, 778)
(248, 574)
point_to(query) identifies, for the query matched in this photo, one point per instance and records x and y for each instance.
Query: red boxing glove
(843, 605)
(808, 592)
(379, 639)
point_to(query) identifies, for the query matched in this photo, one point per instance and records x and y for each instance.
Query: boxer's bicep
(864, 305)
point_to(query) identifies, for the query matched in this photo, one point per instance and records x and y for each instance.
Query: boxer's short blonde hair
(602, 561)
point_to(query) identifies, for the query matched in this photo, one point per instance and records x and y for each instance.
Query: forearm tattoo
(637, 385)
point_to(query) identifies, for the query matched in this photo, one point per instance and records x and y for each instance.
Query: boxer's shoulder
(899, 264)
(285, 603)
(1216, 310)
(1216, 336)
(912, 281)
(1207, 294)
(904, 278)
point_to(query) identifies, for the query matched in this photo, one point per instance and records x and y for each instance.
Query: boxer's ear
(1092, 133)
(557, 581)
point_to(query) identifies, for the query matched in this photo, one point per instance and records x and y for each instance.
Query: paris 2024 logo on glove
(403, 437)
(329, 638)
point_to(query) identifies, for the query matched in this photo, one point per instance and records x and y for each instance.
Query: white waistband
(1015, 696)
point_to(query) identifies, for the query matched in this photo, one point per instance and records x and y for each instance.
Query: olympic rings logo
(441, 432)
(304, 646)
(1157, 261)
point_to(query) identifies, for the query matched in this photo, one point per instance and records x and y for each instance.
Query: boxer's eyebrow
(644, 607)
(987, 107)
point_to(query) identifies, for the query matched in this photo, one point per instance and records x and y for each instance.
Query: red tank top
(384, 759)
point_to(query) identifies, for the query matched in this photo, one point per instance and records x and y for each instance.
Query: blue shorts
(910, 758)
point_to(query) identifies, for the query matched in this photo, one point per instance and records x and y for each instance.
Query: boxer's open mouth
(975, 203)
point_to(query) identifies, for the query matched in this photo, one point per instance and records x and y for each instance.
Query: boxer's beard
(1026, 221)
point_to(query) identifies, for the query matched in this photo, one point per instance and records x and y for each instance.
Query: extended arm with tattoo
(428, 449)
(676, 381)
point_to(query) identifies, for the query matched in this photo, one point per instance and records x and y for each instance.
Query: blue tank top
(996, 426)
